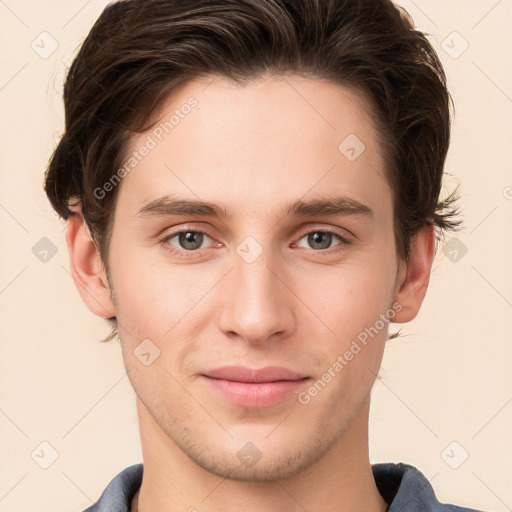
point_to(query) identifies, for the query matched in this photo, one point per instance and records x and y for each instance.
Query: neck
(340, 480)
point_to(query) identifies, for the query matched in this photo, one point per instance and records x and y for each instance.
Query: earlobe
(414, 275)
(87, 268)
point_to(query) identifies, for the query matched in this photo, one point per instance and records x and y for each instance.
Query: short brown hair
(138, 51)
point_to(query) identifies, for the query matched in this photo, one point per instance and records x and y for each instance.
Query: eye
(188, 242)
(185, 240)
(319, 240)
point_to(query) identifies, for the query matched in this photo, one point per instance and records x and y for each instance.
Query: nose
(257, 304)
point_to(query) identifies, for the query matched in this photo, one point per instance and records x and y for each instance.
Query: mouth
(254, 388)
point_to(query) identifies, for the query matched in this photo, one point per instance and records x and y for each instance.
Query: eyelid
(185, 229)
(343, 234)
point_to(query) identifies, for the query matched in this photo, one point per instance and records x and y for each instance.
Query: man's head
(306, 140)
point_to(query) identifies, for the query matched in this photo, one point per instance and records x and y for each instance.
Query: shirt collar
(402, 486)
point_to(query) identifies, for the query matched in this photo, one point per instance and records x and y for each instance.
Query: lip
(249, 387)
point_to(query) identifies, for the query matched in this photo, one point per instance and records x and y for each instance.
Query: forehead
(248, 144)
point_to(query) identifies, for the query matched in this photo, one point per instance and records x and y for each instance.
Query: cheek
(151, 296)
(350, 297)
(355, 302)
(357, 308)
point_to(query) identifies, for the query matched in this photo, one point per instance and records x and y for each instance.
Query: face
(291, 263)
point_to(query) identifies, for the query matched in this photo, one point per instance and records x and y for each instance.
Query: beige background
(447, 380)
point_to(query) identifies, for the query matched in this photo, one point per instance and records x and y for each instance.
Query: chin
(256, 470)
(256, 454)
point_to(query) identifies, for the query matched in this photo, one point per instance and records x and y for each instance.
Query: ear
(87, 268)
(414, 275)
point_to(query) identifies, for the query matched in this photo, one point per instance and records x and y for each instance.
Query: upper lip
(246, 374)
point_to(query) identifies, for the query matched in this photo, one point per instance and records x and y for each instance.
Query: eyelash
(191, 253)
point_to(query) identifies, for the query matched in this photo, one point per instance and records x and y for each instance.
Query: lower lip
(261, 394)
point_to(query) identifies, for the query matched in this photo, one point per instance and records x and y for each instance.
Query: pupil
(191, 240)
(320, 240)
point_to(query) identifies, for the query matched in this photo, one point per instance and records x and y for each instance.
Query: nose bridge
(257, 304)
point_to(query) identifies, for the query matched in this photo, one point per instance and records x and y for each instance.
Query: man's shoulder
(408, 490)
(118, 494)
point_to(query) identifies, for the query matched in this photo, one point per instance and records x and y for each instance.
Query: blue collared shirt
(402, 486)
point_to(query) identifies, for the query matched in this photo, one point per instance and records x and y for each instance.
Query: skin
(254, 149)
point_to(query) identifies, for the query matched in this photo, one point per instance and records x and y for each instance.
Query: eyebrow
(332, 206)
